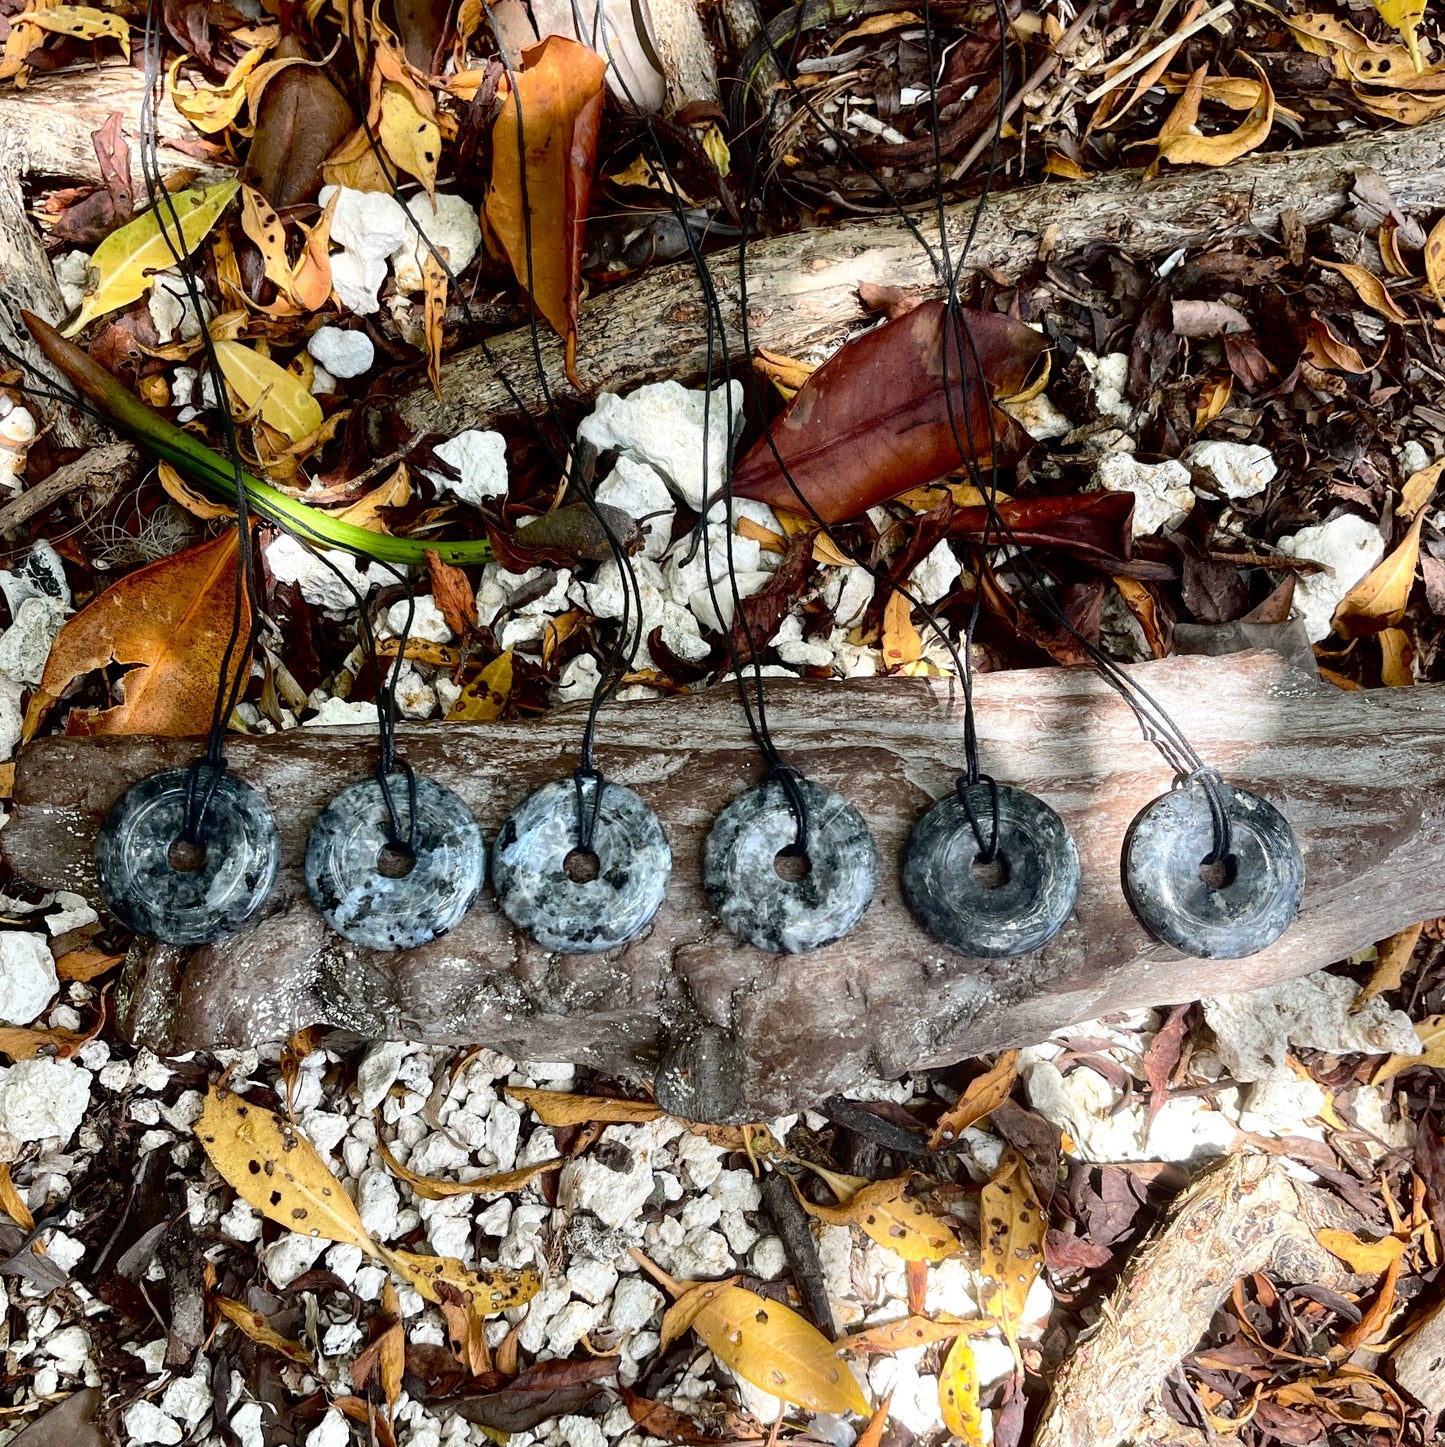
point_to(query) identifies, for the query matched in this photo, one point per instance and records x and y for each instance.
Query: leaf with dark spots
(657, 1419)
(1036, 1139)
(563, 536)
(873, 420)
(1095, 526)
(549, 1389)
(303, 119)
(758, 617)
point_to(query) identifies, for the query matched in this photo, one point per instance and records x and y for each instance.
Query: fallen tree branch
(105, 470)
(886, 999)
(802, 288)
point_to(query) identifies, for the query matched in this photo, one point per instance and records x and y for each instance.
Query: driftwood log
(1361, 777)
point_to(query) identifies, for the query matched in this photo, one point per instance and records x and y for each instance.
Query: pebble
(591, 1279)
(146, 1423)
(332, 1431)
(188, 1399)
(1242, 469)
(451, 225)
(1349, 546)
(28, 981)
(767, 1258)
(634, 1303)
(1163, 491)
(246, 1424)
(481, 459)
(292, 1256)
(41, 1099)
(343, 352)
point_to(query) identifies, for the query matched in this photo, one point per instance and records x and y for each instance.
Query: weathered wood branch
(1361, 776)
(802, 288)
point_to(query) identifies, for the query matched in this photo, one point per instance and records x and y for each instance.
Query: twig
(793, 1228)
(1170, 42)
(1046, 67)
(109, 468)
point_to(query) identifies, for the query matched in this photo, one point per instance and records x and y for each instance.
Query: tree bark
(802, 288)
(1361, 776)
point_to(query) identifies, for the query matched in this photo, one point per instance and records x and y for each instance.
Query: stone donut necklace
(396, 860)
(186, 856)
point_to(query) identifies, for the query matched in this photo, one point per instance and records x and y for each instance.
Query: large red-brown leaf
(1092, 525)
(873, 420)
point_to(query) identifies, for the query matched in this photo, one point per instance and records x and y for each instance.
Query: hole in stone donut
(791, 865)
(582, 866)
(395, 861)
(185, 857)
(990, 873)
(1221, 873)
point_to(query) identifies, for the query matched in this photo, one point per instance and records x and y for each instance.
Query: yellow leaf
(310, 283)
(776, 1349)
(13, 1203)
(439, 1278)
(268, 390)
(497, 1185)
(910, 1332)
(1251, 133)
(391, 1355)
(1419, 488)
(1379, 599)
(434, 309)
(1366, 1257)
(679, 1317)
(1397, 658)
(84, 22)
(262, 1332)
(261, 223)
(276, 1170)
(122, 264)
(21, 1044)
(1431, 1034)
(1012, 1226)
(1213, 399)
(194, 502)
(354, 164)
(884, 1213)
(983, 1094)
(211, 108)
(1369, 288)
(483, 698)
(901, 643)
(1182, 119)
(1392, 956)
(958, 1394)
(1404, 16)
(365, 512)
(85, 965)
(558, 1108)
(411, 139)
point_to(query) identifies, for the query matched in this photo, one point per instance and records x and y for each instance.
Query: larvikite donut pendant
(1016, 904)
(351, 870)
(148, 893)
(1254, 895)
(604, 897)
(792, 916)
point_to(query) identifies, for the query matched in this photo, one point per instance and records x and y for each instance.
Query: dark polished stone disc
(786, 915)
(345, 865)
(150, 895)
(1017, 907)
(1249, 906)
(560, 908)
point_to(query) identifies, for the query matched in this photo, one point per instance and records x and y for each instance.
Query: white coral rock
(342, 352)
(1349, 546)
(481, 459)
(1242, 469)
(1163, 494)
(452, 228)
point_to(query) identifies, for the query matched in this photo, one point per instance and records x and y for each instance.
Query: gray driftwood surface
(1361, 776)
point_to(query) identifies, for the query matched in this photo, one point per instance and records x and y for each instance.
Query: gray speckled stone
(700, 1075)
(146, 893)
(368, 907)
(789, 916)
(573, 916)
(1024, 912)
(1163, 851)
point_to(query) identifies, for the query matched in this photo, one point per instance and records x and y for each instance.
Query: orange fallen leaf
(1220, 150)
(1379, 599)
(984, 1093)
(1370, 289)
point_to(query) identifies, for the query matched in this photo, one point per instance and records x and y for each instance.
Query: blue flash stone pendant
(1014, 905)
(362, 895)
(574, 901)
(149, 894)
(792, 916)
(1250, 899)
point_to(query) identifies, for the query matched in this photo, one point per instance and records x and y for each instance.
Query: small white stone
(68, 1348)
(12, 717)
(636, 489)
(377, 1072)
(323, 384)
(798, 651)
(661, 424)
(72, 275)
(368, 226)
(152, 1355)
(1349, 546)
(1241, 469)
(570, 1325)
(74, 913)
(579, 681)
(342, 713)
(172, 309)
(993, 1359)
(452, 227)
(702, 1256)
(146, 1423)
(292, 1256)
(41, 1099)
(25, 645)
(246, 1424)
(335, 583)
(767, 1258)
(378, 1203)
(1109, 375)
(65, 1251)
(580, 1432)
(241, 1222)
(343, 352)
(715, 606)
(481, 459)
(591, 1279)
(188, 1399)
(426, 620)
(1413, 458)
(504, 1129)
(1039, 417)
(331, 1431)
(935, 575)
(1163, 492)
(28, 981)
(356, 280)
(615, 1197)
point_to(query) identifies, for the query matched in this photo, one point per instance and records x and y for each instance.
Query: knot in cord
(587, 815)
(790, 779)
(1209, 780)
(988, 849)
(383, 778)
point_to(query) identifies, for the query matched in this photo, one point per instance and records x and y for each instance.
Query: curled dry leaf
(123, 264)
(1370, 289)
(1096, 526)
(1366, 1257)
(558, 1108)
(443, 1278)
(775, 1349)
(484, 696)
(1419, 488)
(983, 1094)
(1379, 599)
(181, 492)
(22, 1044)
(211, 108)
(911, 1331)
(13, 1203)
(83, 22)
(544, 150)
(883, 1211)
(496, 1185)
(411, 138)
(901, 641)
(874, 420)
(173, 621)
(1392, 958)
(1252, 132)
(262, 1332)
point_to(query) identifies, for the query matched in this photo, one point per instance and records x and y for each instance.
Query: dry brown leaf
(12, 1202)
(21, 1044)
(1251, 133)
(786, 373)
(434, 310)
(1418, 489)
(984, 1094)
(872, 1435)
(173, 620)
(1397, 658)
(1393, 956)
(1366, 1257)
(85, 965)
(496, 1185)
(1329, 351)
(558, 1108)
(1370, 289)
(1182, 119)
(261, 1332)
(195, 502)
(1012, 1226)
(1214, 397)
(452, 592)
(1379, 599)
(1371, 1326)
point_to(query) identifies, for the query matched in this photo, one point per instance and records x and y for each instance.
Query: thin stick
(1046, 68)
(1170, 42)
(108, 468)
